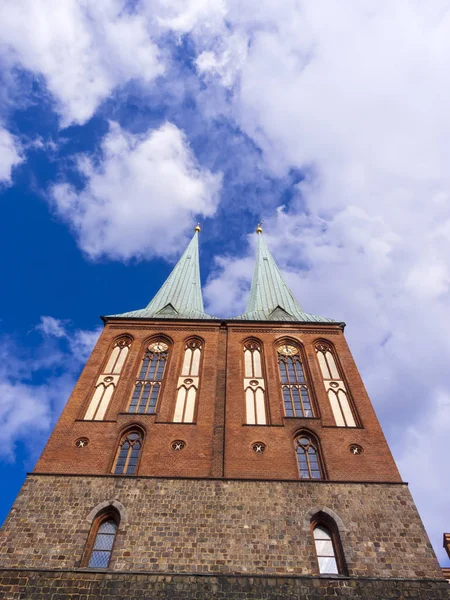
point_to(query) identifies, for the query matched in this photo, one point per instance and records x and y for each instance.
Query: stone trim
(224, 479)
(106, 504)
(324, 509)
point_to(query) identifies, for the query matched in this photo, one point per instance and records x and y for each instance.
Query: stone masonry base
(82, 585)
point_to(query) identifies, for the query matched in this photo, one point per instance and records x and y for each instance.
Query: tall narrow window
(308, 458)
(107, 381)
(254, 384)
(151, 374)
(127, 455)
(188, 383)
(334, 385)
(101, 541)
(329, 552)
(293, 382)
(326, 556)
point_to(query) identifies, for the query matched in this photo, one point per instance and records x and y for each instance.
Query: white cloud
(35, 385)
(10, 155)
(141, 198)
(356, 96)
(83, 50)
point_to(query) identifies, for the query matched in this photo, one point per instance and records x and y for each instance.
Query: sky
(124, 122)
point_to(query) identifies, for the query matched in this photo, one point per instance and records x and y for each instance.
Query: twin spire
(180, 296)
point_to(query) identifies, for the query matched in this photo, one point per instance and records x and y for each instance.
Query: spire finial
(197, 228)
(259, 228)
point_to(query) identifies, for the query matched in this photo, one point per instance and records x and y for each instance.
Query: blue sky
(123, 123)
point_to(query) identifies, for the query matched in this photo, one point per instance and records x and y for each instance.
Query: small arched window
(294, 386)
(308, 457)
(151, 374)
(254, 384)
(327, 543)
(101, 541)
(188, 382)
(127, 455)
(107, 381)
(334, 385)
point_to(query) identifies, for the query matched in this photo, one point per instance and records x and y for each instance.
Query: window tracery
(127, 455)
(254, 384)
(334, 386)
(108, 380)
(308, 458)
(188, 383)
(148, 383)
(294, 386)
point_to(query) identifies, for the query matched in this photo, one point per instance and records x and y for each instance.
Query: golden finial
(197, 228)
(259, 228)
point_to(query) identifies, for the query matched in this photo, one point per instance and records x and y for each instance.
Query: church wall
(62, 456)
(279, 461)
(26, 585)
(216, 442)
(216, 526)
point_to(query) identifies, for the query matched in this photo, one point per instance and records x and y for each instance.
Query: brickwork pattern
(216, 526)
(25, 585)
(219, 443)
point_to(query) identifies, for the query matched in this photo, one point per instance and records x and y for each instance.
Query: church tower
(231, 458)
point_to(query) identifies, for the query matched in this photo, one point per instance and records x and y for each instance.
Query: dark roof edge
(324, 325)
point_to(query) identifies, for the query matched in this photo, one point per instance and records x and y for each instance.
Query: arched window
(330, 556)
(101, 541)
(149, 381)
(107, 381)
(188, 382)
(334, 385)
(128, 452)
(254, 384)
(308, 458)
(293, 382)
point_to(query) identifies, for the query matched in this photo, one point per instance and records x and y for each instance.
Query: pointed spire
(270, 298)
(180, 296)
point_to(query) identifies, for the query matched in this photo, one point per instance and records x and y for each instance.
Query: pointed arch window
(294, 386)
(101, 541)
(334, 386)
(188, 382)
(128, 452)
(151, 375)
(328, 547)
(254, 384)
(308, 457)
(108, 380)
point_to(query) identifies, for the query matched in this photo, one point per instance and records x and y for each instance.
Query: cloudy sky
(123, 122)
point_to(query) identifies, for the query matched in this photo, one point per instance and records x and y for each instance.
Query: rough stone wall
(216, 526)
(25, 585)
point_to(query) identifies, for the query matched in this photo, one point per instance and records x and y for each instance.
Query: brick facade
(219, 443)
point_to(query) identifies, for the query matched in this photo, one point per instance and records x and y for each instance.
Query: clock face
(158, 347)
(287, 350)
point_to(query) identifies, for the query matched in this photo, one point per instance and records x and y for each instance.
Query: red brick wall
(219, 443)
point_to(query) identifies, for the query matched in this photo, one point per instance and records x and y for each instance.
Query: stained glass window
(308, 458)
(128, 454)
(103, 545)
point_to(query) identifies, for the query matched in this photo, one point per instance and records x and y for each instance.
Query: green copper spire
(180, 296)
(270, 298)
